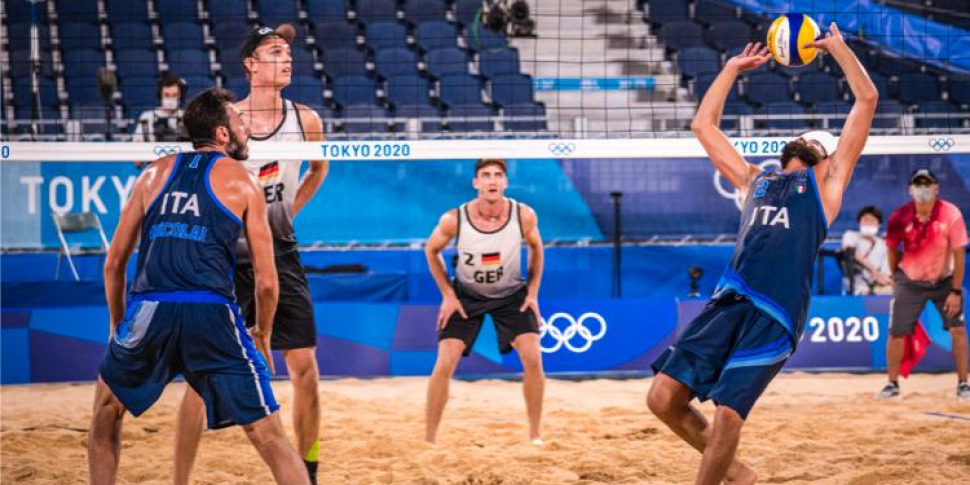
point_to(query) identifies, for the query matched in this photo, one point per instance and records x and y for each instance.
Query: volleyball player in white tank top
(488, 232)
(266, 57)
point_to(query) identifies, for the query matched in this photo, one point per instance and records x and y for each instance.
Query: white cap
(828, 141)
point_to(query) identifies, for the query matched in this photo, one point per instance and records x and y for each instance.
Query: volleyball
(787, 38)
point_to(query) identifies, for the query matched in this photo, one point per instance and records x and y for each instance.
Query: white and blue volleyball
(787, 37)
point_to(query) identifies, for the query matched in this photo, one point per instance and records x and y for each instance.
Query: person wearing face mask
(933, 236)
(165, 122)
(870, 261)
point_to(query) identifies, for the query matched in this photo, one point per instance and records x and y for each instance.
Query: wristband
(957, 291)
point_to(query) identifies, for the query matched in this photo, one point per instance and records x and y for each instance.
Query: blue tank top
(783, 225)
(188, 238)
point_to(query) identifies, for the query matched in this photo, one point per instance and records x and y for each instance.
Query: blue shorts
(729, 353)
(200, 335)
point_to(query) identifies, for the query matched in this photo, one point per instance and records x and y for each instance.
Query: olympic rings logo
(162, 150)
(734, 193)
(561, 149)
(577, 326)
(942, 144)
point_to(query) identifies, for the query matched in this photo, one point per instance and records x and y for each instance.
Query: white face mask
(170, 103)
(921, 194)
(869, 230)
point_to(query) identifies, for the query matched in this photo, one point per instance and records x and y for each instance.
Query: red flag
(914, 348)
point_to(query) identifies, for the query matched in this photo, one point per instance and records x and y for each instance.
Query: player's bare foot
(744, 475)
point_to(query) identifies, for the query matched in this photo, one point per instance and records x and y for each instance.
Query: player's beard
(238, 150)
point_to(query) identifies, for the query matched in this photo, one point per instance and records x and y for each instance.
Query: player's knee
(659, 401)
(727, 417)
(265, 431)
(531, 362)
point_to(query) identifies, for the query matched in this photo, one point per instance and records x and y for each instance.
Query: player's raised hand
(752, 57)
(449, 305)
(832, 40)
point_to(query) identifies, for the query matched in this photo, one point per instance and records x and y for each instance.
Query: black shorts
(294, 326)
(509, 321)
(909, 299)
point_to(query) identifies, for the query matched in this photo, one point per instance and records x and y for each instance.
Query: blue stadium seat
(733, 109)
(836, 112)
(408, 90)
(76, 11)
(18, 11)
(174, 11)
(341, 62)
(460, 89)
(365, 119)
(918, 87)
(83, 89)
(960, 90)
(82, 62)
(183, 35)
(335, 35)
(127, 11)
(74, 36)
(497, 63)
(512, 89)
(728, 35)
(663, 11)
(228, 11)
(324, 11)
(138, 93)
(238, 86)
(709, 11)
(420, 11)
(194, 85)
(132, 35)
(229, 34)
(189, 62)
(376, 10)
(888, 114)
(306, 90)
(386, 35)
(424, 113)
(695, 61)
(467, 10)
(230, 65)
(275, 12)
(767, 87)
(882, 85)
(469, 118)
(704, 81)
(678, 35)
(530, 110)
(436, 35)
(934, 114)
(22, 92)
(785, 109)
(354, 89)
(134, 62)
(481, 38)
(817, 87)
(891, 65)
(442, 62)
(20, 64)
(396, 61)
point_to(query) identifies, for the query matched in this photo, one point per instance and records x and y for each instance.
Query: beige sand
(819, 429)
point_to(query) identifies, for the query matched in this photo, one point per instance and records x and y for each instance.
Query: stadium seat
(497, 63)
(138, 94)
(817, 87)
(960, 90)
(229, 34)
(834, 111)
(177, 11)
(891, 65)
(22, 92)
(182, 35)
(420, 11)
(340, 62)
(663, 11)
(709, 11)
(481, 38)
(238, 86)
(136, 62)
(469, 118)
(228, 11)
(354, 89)
(306, 90)
(365, 119)
(230, 65)
(695, 61)
(335, 35)
(531, 110)
(396, 61)
(276, 12)
(18, 36)
(704, 81)
(728, 35)
(376, 11)
(766, 87)
(512, 89)
(436, 35)
(918, 87)
(731, 111)
(386, 35)
(131, 35)
(303, 61)
(408, 90)
(195, 84)
(460, 89)
(936, 115)
(76, 11)
(325, 11)
(451, 60)
(127, 11)
(467, 10)
(82, 63)
(189, 62)
(678, 35)
(79, 35)
(19, 11)
(785, 109)
(888, 114)
(20, 64)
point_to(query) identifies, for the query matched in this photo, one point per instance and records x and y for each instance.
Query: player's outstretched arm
(126, 236)
(706, 124)
(443, 233)
(533, 241)
(838, 173)
(260, 241)
(317, 173)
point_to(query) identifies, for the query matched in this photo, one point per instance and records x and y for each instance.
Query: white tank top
(490, 263)
(279, 180)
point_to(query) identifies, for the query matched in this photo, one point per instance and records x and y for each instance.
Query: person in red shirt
(933, 236)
